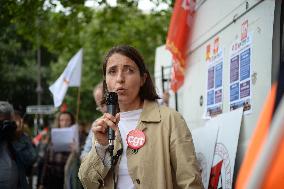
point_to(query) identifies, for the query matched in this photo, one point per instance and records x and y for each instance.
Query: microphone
(112, 105)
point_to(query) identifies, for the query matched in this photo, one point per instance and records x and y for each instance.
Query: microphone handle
(112, 110)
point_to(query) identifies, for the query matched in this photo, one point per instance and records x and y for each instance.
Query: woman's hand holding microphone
(101, 125)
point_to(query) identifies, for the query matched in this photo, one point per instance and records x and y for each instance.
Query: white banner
(71, 76)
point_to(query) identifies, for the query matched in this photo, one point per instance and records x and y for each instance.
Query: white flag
(71, 76)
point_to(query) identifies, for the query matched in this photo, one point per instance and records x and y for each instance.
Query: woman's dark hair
(147, 91)
(68, 113)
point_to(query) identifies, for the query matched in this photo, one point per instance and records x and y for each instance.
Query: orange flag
(263, 165)
(268, 170)
(259, 137)
(275, 172)
(177, 77)
(177, 38)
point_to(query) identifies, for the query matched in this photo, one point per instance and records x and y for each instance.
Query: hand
(101, 125)
(45, 139)
(41, 187)
(73, 146)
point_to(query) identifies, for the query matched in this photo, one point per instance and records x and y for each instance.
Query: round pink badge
(135, 139)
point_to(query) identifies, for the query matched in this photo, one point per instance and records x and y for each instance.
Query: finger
(117, 117)
(110, 117)
(100, 122)
(99, 129)
(110, 124)
(99, 126)
(106, 121)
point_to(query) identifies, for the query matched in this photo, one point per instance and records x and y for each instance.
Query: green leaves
(27, 25)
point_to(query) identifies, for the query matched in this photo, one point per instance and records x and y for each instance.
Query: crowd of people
(27, 164)
(153, 147)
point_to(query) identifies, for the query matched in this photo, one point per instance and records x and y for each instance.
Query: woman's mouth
(120, 90)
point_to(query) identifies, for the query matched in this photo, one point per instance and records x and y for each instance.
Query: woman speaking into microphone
(152, 148)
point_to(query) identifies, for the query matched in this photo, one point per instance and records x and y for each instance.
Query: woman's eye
(129, 70)
(111, 72)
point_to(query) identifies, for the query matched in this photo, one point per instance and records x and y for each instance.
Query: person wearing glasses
(101, 107)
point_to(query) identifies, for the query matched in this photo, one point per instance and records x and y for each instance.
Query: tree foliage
(29, 25)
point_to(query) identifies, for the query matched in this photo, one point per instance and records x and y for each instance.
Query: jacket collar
(151, 112)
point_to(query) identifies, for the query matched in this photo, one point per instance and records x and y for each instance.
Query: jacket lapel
(150, 114)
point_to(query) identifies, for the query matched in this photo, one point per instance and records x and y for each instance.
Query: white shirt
(128, 122)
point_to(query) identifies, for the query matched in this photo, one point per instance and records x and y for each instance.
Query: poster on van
(240, 74)
(214, 92)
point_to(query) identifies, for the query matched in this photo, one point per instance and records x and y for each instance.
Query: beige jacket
(166, 161)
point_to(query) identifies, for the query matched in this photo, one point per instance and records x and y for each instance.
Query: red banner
(177, 77)
(177, 38)
(215, 175)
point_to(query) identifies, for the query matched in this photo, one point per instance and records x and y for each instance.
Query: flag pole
(78, 104)
(79, 94)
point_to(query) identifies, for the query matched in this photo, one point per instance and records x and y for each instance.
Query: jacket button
(138, 181)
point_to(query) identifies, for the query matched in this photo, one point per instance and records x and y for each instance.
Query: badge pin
(135, 139)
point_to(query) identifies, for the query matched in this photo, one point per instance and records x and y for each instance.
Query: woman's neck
(132, 106)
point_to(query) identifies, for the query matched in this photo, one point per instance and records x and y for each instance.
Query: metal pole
(163, 80)
(38, 118)
(176, 101)
(78, 104)
(38, 88)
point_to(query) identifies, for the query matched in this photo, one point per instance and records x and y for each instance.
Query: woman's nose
(120, 77)
(65, 123)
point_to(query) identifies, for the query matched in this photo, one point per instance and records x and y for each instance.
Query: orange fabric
(208, 55)
(177, 77)
(275, 172)
(177, 38)
(258, 139)
(178, 31)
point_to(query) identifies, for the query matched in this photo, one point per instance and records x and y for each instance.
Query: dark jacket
(25, 156)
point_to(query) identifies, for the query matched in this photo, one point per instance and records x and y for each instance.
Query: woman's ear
(143, 79)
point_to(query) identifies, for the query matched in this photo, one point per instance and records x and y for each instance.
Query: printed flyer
(214, 92)
(240, 74)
